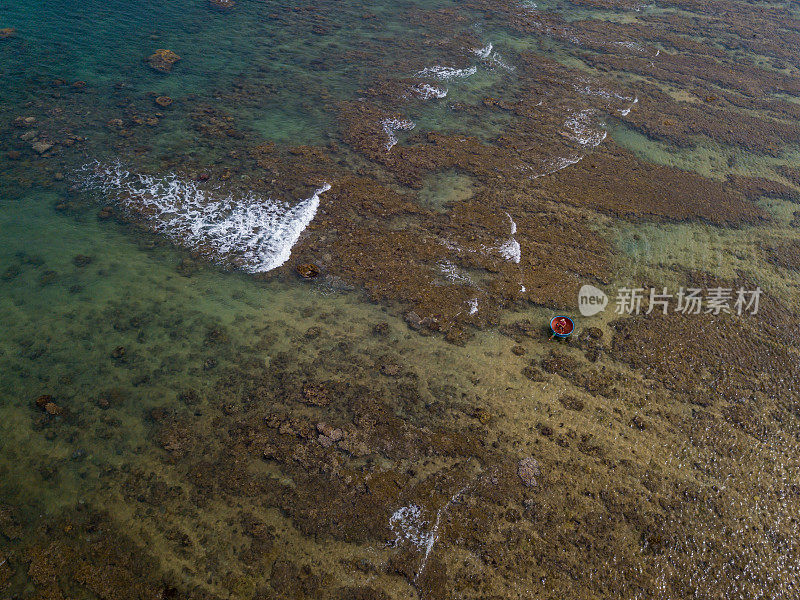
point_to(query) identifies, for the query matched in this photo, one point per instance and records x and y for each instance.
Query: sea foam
(584, 130)
(426, 91)
(392, 125)
(446, 73)
(254, 233)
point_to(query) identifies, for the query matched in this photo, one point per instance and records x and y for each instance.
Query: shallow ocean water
(194, 440)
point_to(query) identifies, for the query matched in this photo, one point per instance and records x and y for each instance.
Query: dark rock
(594, 333)
(47, 277)
(559, 363)
(533, 373)
(307, 270)
(571, 402)
(81, 260)
(381, 328)
(43, 400)
(413, 320)
(316, 395)
(312, 333)
(390, 369)
(11, 272)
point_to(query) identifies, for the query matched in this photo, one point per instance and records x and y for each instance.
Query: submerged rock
(43, 400)
(10, 273)
(162, 60)
(5, 570)
(413, 320)
(53, 409)
(307, 270)
(528, 470)
(381, 329)
(222, 4)
(7, 32)
(316, 395)
(82, 260)
(41, 146)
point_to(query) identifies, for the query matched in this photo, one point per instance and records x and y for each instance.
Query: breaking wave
(446, 73)
(426, 91)
(392, 125)
(254, 233)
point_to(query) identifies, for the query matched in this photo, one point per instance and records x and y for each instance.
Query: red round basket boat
(562, 326)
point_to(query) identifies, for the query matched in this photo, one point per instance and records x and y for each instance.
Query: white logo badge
(591, 300)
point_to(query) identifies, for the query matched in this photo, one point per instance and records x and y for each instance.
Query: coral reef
(162, 60)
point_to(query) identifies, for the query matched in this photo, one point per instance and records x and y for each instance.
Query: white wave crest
(491, 58)
(255, 233)
(427, 91)
(588, 90)
(484, 52)
(626, 111)
(392, 125)
(510, 249)
(557, 164)
(447, 73)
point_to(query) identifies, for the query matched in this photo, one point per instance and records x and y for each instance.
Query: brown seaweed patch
(755, 187)
(784, 254)
(615, 181)
(703, 356)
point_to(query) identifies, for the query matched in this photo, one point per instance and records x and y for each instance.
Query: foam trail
(255, 233)
(511, 249)
(408, 526)
(625, 112)
(452, 274)
(491, 58)
(426, 91)
(392, 125)
(558, 164)
(582, 130)
(484, 52)
(446, 73)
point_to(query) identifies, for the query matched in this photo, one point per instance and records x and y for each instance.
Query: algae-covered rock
(162, 60)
